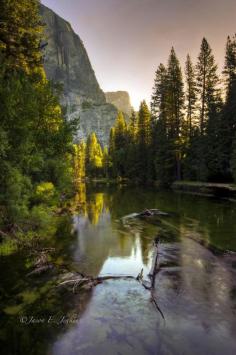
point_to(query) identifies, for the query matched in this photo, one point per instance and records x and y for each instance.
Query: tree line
(189, 132)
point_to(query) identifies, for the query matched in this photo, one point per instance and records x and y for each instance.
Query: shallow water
(195, 287)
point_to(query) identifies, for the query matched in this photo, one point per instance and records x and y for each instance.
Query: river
(195, 287)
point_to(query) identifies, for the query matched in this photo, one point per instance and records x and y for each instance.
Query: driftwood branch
(155, 264)
(156, 305)
(154, 270)
(87, 282)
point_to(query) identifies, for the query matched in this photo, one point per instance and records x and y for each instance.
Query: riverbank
(221, 190)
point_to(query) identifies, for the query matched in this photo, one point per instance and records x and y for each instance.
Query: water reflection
(104, 244)
(195, 288)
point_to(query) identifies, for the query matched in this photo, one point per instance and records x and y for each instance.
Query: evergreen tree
(79, 161)
(94, 156)
(132, 147)
(205, 133)
(228, 116)
(207, 81)
(20, 35)
(159, 95)
(191, 96)
(144, 125)
(164, 159)
(144, 141)
(175, 107)
(106, 163)
(120, 131)
(120, 145)
(133, 127)
(175, 98)
(162, 147)
(111, 152)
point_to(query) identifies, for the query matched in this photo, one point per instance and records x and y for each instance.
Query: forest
(188, 134)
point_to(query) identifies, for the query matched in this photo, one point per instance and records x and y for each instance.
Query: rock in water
(67, 62)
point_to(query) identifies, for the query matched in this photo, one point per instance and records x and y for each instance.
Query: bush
(17, 195)
(45, 192)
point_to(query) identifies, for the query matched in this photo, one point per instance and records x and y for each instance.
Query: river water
(195, 288)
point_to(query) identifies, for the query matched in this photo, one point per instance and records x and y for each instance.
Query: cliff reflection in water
(195, 288)
(103, 242)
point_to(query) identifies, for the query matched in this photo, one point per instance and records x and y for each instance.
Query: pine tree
(228, 117)
(20, 35)
(162, 147)
(191, 95)
(111, 153)
(106, 163)
(120, 145)
(94, 156)
(132, 127)
(207, 81)
(159, 94)
(175, 107)
(144, 125)
(120, 131)
(79, 161)
(132, 147)
(164, 158)
(144, 141)
(175, 96)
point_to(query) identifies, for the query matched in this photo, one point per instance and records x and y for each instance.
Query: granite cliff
(66, 61)
(121, 100)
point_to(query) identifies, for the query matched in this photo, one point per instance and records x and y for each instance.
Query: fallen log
(156, 305)
(146, 213)
(40, 270)
(152, 212)
(87, 282)
(153, 272)
(155, 264)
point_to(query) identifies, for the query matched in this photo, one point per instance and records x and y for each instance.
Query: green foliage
(207, 81)
(106, 163)
(118, 146)
(144, 142)
(36, 150)
(227, 124)
(20, 35)
(45, 191)
(79, 161)
(15, 195)
(191, 97)
(41, 217)
(167, 109)
(94, 156)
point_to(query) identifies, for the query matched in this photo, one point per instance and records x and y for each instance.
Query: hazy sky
(127, 39)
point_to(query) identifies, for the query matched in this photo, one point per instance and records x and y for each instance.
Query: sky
(126, 40)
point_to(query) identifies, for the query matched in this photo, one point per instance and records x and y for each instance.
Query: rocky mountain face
(66, 61)
(121, 100)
